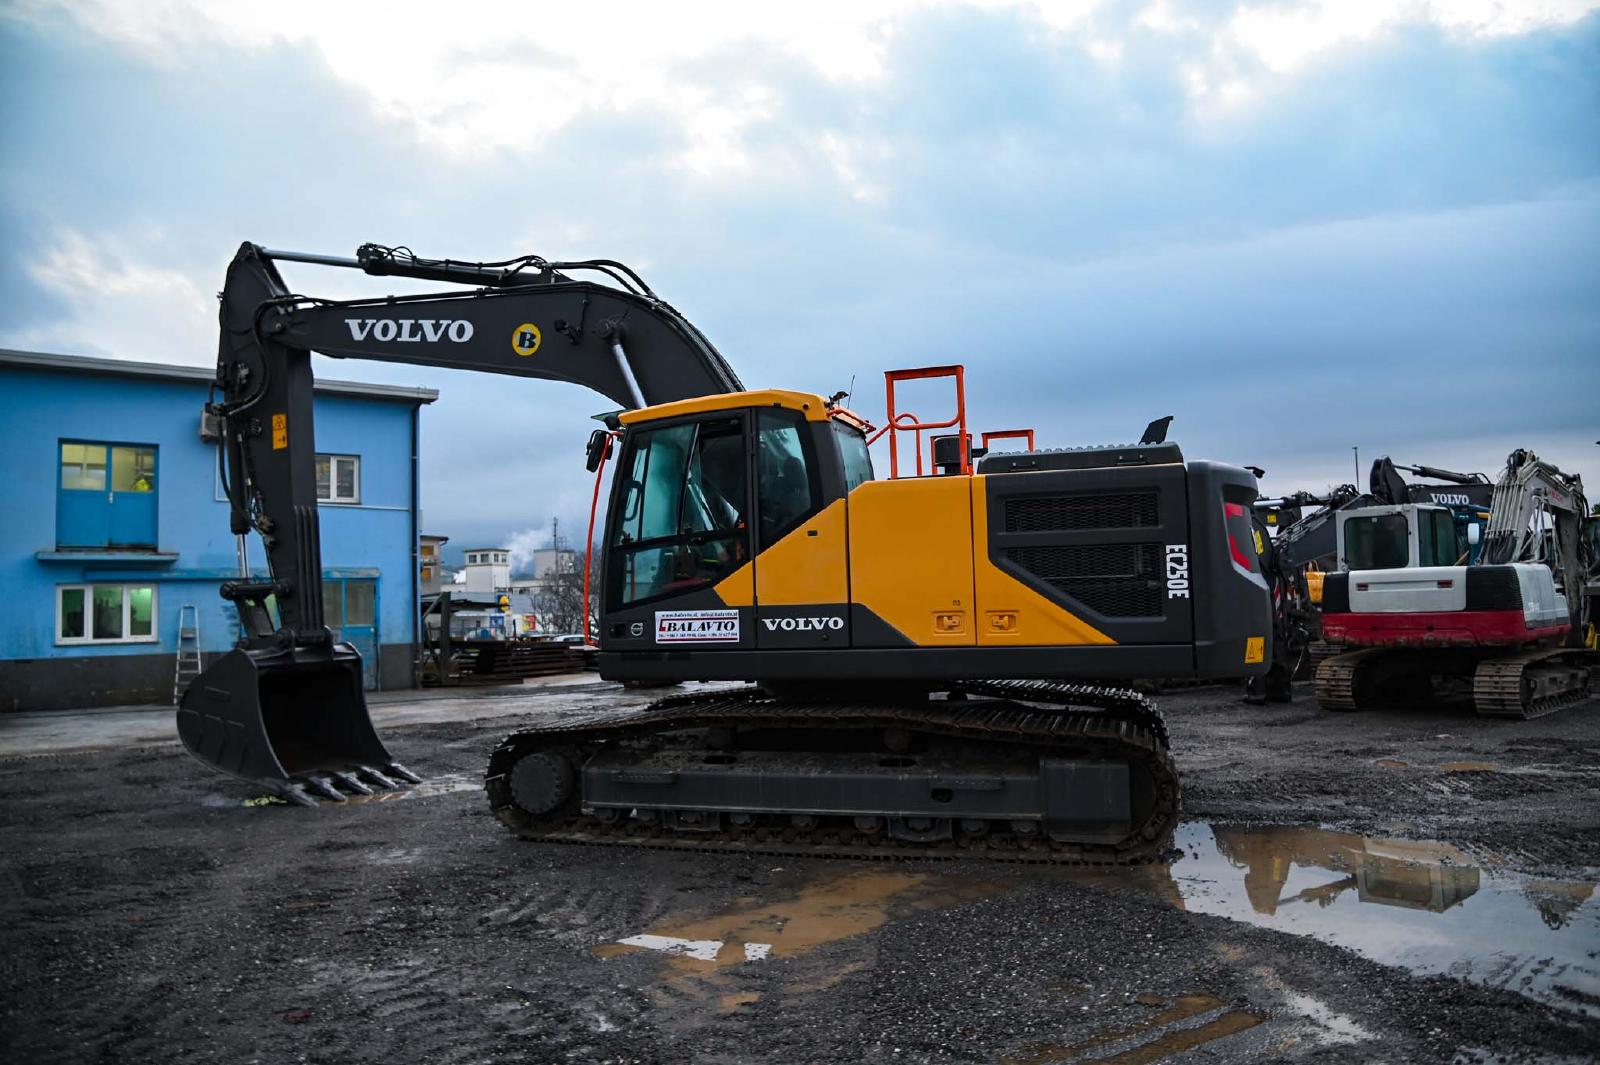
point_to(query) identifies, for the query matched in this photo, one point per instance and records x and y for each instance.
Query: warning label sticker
(697, 626)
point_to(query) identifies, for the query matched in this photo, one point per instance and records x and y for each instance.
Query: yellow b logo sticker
(525, 340)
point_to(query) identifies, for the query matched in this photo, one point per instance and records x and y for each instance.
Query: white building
(488, 571)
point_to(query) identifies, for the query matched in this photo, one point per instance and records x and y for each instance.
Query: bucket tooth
(395, 769)
(324, 787)
(295, 793)
(351, 783)
(377, 777)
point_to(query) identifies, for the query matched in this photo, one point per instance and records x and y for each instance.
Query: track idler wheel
(542, 782)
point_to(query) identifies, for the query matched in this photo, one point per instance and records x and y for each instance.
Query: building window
(339, 478)
(106, 495)
(105, 613)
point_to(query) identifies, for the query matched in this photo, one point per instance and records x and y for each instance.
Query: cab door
(677, 574)
(802, 581)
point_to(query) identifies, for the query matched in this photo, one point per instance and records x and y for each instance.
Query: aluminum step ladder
(188, 662)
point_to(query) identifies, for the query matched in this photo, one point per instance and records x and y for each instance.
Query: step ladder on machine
(188, 664)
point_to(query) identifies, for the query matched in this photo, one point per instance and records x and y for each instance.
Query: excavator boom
(285, 708)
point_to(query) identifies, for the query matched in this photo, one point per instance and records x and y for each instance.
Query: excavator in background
(1298, 549)
(907, 636)
(1514, 629)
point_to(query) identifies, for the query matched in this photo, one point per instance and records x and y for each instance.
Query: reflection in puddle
(1417, 875)
(826, 911)
(1421, 905)
(829, 910)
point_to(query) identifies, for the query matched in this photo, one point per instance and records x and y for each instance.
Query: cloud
(508, 75)
(1297, 226)
(139, 310)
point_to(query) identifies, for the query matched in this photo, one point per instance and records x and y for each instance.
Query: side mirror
(1474, 535)
(598, 450)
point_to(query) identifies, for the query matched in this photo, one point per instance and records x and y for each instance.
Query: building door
(350, 608)
(106, 495)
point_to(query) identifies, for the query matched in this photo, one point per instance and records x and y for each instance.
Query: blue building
(114, 529)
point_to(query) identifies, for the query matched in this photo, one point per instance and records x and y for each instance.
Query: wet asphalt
(1400, 887)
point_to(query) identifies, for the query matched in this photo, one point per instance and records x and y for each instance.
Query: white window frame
(88, 637)
(333, 480)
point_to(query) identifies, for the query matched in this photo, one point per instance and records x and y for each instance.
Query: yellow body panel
(815, 408)
(1009, 612)
(810, 565)
(737, 588)
(911, 557)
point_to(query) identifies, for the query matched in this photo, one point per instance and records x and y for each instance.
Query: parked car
(588, 653)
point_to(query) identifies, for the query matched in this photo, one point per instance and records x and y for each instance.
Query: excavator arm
(287, 703)
(1537, 516)
(524, 318)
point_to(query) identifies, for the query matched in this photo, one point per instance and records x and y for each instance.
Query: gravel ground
(151, 916)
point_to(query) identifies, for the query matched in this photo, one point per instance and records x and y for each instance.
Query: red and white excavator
(1516, 627)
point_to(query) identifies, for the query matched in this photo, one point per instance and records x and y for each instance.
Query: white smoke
(523, 543)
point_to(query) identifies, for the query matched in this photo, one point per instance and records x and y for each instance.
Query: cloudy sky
(1297, 226)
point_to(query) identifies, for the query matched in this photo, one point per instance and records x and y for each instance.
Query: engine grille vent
(1114, 580)
(1120, 510)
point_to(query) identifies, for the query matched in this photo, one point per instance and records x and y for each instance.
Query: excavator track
(1534, 683)
(1519, 685)
(1038, 719)
(1343, 681)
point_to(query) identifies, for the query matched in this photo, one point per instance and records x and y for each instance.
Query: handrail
(1007, 434)
(912, 425)
(894, 426)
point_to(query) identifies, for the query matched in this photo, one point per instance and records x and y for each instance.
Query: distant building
(488, 571)
(432, 575)
(114, 523)
(549, 561)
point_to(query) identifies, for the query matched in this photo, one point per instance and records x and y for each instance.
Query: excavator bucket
(292, 721)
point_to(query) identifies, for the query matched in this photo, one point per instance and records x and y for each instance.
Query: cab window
(1381, 541)
(857, 459)
(785, 482)
(682, 518)
(1439, 546)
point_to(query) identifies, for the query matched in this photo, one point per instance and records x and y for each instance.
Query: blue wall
(40, 407)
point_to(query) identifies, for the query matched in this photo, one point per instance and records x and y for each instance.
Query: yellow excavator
(934, 655)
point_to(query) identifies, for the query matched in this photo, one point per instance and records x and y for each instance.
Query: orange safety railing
(910, 426)
(898, 422)
(1007, 434)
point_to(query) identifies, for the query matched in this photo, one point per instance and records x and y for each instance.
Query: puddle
(1190, 1021)
(1391, 763)
(1469, 767)
(443, 785)
(823, 912)
(701, 954)
(1424, 906)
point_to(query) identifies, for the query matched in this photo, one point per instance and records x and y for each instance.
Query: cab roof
(814, 407)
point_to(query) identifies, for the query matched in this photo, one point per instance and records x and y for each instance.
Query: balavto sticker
(697, 626)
